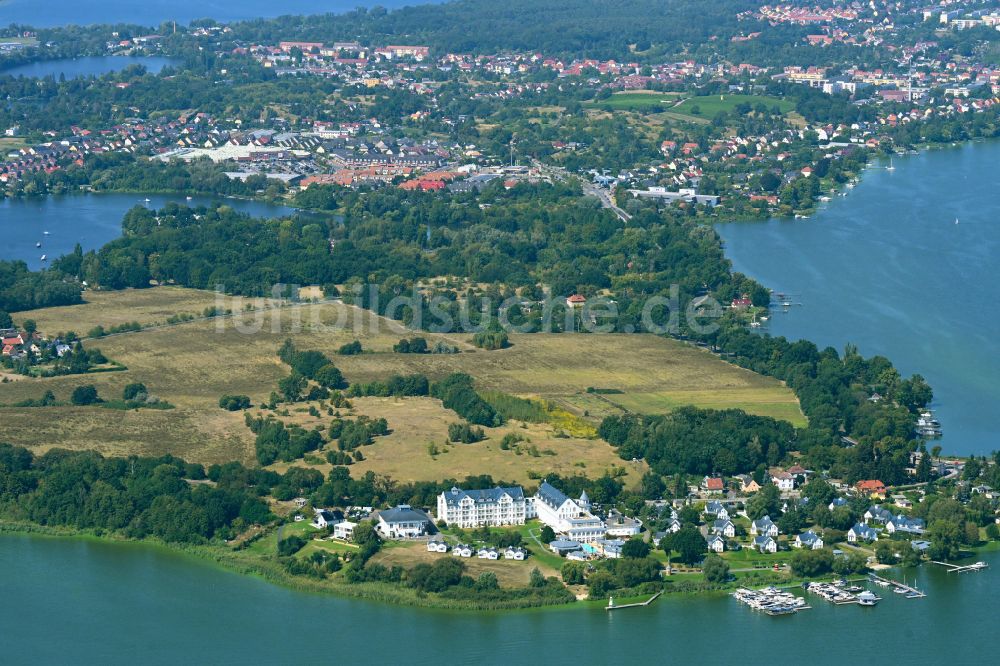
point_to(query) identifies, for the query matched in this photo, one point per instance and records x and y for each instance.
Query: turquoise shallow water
(85, 602)
(887, 268)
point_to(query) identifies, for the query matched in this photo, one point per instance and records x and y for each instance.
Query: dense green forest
(22, 289)
(159, 497)
(568, 27)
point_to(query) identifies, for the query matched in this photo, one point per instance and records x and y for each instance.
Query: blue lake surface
(51, 13)
(84, 602)
(888, 269)
(73, 68)
(88, 219)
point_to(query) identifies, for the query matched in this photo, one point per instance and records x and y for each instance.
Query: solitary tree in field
(85, 395)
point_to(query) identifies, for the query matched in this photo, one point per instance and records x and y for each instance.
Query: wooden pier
(955, 568)
(611, 603)
(911, 592)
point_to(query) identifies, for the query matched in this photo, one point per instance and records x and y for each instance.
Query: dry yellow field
(192, 364)
(404, 454)
(109, 308)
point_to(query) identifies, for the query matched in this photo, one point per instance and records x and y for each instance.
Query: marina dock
(771, 600)
(955, 568)
(611, 603)
(899, 588)
(835, 594)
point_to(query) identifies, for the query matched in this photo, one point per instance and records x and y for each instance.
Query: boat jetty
(955, 568)
(897, 587)
(611, 603)
(771, 600)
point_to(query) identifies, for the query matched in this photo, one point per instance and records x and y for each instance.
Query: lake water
(888, 269)
(73, 68)
(50, 13)
(85, 602)
(88, 219)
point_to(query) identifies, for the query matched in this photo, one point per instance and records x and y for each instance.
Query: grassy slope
(711, 105)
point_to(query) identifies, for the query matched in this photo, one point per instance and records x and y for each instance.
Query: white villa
(861, 532)
(325, 518)
(784, 481)
(717, 509)
(571, 518)
(674, 526)
(765, 544)
(764, 527)
(403, 522)
(724, 528)
(716, 543)
(462, 550)
(877, 514)
(344, 530)
(904, 524)
(808, 539)
(478, 508)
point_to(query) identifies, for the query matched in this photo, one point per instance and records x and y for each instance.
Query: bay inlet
(903, 267)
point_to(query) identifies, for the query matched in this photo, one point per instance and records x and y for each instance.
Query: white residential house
(877, 514)
(477, 508)
(568, 517)
(905, 525)
(716, 543)
(674, 526)
(620, 525)
(902, 502)
(837, 501)
(515, 553)
(462, 550)
(861, 532)
(344, 530)
(764, 527)
(808, 539)
(324, 518)
(488, 554)
(784, 481)
(436, 546)
(717, 509)
(403, 522)
(765, 544)
(724, 528)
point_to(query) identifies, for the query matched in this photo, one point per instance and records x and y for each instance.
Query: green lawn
(540, 553)
(775, 402)
(709, 106)
(748, 557)
(327, 547)
(268, 544)
(638, 101)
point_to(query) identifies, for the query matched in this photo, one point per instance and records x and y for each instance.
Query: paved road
(589, 189)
